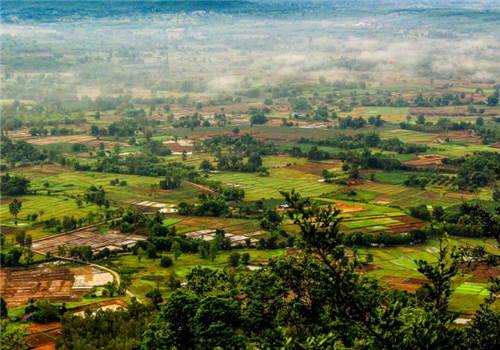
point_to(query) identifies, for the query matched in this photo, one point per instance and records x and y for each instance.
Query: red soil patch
(51, 346)
(406, 219)
(56, 333)
(418, 281)
(47, 169)
(35, 328)
(392, 279)
(292, 252)
(312, 168)
(426, 161)
(348, 208)
(9, 230)
(480, 270)
(368, 268)
(9, 200)
(39, 339)
(405, 228)
(412, 288)
(431, 195)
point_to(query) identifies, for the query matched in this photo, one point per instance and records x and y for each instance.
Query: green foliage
(3, 308)
(15, 185)
(43, 311)
(166, 262)
(234, 259)
(13, 338)
(100, 329)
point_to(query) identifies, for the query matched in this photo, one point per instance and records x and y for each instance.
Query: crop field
(396, 268)
(142, 274)
(280, 179)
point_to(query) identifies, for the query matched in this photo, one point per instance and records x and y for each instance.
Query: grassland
(141, 274)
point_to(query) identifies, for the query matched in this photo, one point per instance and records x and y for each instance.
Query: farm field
(85, 237)
(280, 179)
(396, 268)
(142, 274)
(57, 284)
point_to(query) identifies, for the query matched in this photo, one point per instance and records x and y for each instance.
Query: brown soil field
(51, 346)
(47, 169)
(175, 147)
(406, 219)
(54, 284)
(411, 288)
(431, 195)
(311, 168)
(39, 339)
(480, 270)
(427, 160)
(368, 268)
(85, 237)
(9, 200)
(9, 230)
(404, 228)
(35, 328)
(62, 139)
(348, 208)
(418, 281)
(392, 279)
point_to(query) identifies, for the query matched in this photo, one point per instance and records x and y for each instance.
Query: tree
(206, 166)
(20, 238)
(214, 248)
(493, 98)
(62, 250)
(79, 203)
(116, 148)
(172, 280)
(4, 313)
(420, 119)
(480, 121)
(13, 338)
(151, 251)
(156, 298)
(184, 155)
(140, 253)
(437, 213)
(43, 311)
(245, 258)
(234, 259)
(176, 249)
(87, 253)
(166, 262)
(28, 242)
(15, 207)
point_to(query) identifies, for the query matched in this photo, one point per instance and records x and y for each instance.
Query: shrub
(166, 262)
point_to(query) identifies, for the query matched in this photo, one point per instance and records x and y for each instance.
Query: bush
(166, 262)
